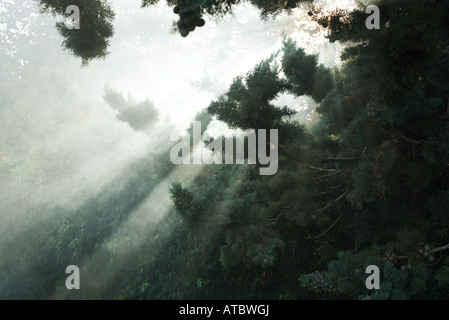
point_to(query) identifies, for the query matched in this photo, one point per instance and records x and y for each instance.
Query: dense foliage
(368, 183)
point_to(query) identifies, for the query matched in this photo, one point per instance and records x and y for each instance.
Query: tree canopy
(92, 40)
(366, 184)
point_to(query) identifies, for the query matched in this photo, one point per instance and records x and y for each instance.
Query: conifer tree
(92, 39)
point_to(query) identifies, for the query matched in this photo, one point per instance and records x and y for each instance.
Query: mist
(66, 155)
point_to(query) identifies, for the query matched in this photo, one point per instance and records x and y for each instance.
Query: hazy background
(61, 143)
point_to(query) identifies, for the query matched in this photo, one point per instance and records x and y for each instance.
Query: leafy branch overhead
(363, 181)
(92, 40)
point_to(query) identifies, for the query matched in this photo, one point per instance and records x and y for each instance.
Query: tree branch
(334, 201)
(445, 247)
(336, 187)
(344, 159)
(439, 249)
(322, 169)
(410, 154)
(274, 221)
(328, 229)
(400, 135)
(328, 175)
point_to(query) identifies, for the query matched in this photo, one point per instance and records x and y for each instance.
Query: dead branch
(334, 201)
(274, 221)
(413, 141)
(445, 247)
(336, 187)
(410, 154)
(322, 169)
(344, 159)
(328, 229)
(439, 249)
(328, 175)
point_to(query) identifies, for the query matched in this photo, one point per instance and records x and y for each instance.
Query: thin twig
(233, 168)
(440, 248)
(344, 159)
(328, 175)
(322, 169)
(334, 201)
(408, 155)
(413, 141)
(341, 196)
(336, 187)
(328, 229)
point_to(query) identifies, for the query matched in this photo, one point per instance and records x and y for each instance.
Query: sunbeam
(127, 239)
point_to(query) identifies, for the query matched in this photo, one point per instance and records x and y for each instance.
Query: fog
(61, 144)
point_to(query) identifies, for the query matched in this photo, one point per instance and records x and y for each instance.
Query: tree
(91, 41)
(387, 101)
(139, 115)
(248, 102)
(367, 185)
(303, 71)
(373, 187)
(191, 12)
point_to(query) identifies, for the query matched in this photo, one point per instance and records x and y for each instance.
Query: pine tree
(248, 102)
(90, 41)
(139, 115)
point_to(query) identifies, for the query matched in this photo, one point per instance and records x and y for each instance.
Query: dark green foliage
(247, 104)
(140, 116)
(442, 276)
(303, 71)
(92, 39)
(368, 185)
(183, 200)
(191, 12)
(73, 236)
(385, 100)
(435, 151)
(204, 118)
(274, 7)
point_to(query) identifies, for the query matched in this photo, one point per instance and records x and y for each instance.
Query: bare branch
(328, 229)
(334, 201)
(445, 247)
(322, 169)
(344, 159)
(336, 187)
(400, 135)
(328, 175)
(233, 168)
(273, 221)
(439, 249)
(410, 154)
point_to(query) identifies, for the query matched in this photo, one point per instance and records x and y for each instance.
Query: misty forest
(87, 120)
